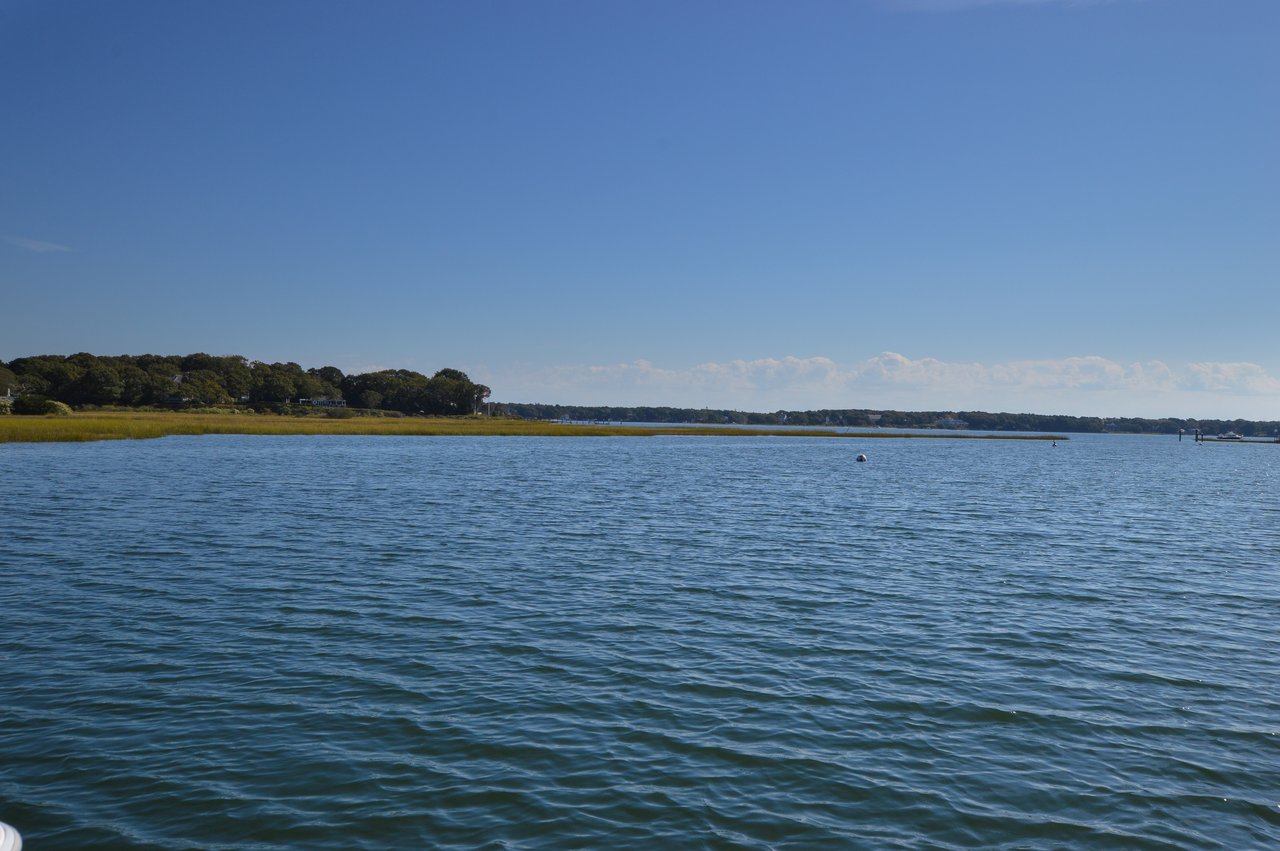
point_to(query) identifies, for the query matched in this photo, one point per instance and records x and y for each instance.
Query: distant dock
(1229, 437)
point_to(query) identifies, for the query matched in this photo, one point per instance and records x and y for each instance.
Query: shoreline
(144, 425)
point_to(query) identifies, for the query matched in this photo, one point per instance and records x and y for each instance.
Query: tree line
(869, 418)
(202, 380)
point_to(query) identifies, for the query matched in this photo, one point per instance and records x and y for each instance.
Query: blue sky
(1024, 205)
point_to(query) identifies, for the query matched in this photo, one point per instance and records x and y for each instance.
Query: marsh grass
(136, 425)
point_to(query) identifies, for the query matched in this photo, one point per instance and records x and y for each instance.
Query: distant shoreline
(203, 383)
(139, 425)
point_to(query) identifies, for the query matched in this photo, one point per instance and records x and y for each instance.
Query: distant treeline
(202, 380)
(866, 418)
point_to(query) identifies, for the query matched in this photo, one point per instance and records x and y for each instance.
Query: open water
(663, 642)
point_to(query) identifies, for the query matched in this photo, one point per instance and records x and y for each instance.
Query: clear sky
(1019, 205)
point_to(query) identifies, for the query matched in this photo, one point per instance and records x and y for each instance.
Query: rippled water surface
(663, 642)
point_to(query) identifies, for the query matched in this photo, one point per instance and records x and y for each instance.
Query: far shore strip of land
(137, 425)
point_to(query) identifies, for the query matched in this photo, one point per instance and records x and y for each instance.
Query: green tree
(272, 384)
(8, 381)
(202, 387)
(199, 361)
(452, 392)
(309, 387)
(57, 374)
(135, 386)
(235, 375)
(33, 384)
(99, 385)
(328, 374)
(32, 405)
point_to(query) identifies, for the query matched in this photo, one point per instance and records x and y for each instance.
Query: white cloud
(1247, 378)
(1073, 373)
(36, 245)
(1085, 385)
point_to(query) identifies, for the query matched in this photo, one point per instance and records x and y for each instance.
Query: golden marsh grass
(136, 425)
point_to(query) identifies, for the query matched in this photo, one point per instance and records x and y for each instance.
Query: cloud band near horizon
(1088, 385)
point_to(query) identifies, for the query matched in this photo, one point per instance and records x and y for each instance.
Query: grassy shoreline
(139, 425)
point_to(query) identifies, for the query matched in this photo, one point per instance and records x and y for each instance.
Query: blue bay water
(663, 642)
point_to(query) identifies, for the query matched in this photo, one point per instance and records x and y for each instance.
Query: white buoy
(10, 840)
(862, 458)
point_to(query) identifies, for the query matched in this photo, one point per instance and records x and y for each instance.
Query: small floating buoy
(862, 458)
